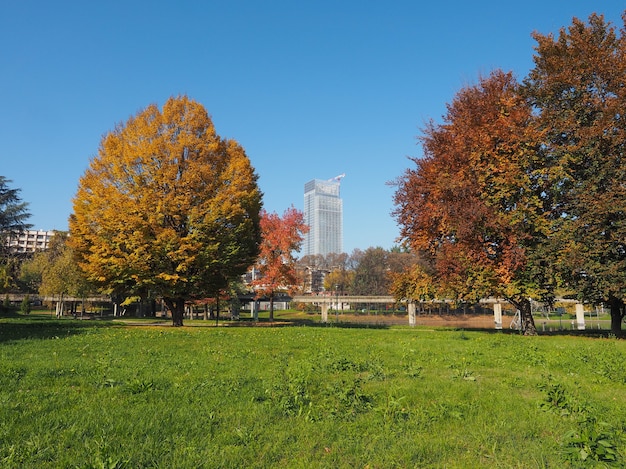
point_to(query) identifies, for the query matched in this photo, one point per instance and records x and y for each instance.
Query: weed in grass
(557, 399)
(107, 463)
(375, 369)
(290, 393)
(462, 371)
(393, 409)
(608, 364)
(11, 375)
(594, 442)
(347, 399)
(138, 386)
(591, 441)
(412, 370)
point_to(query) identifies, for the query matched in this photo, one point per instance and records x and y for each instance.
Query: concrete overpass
(337, 302)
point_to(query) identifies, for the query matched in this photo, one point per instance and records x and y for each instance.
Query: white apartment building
(30, 241)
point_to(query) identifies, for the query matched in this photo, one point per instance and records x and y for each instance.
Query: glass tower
(323, 212)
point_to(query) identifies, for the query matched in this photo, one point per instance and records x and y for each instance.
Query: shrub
(25, 305)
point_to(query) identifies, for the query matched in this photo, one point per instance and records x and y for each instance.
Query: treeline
(368, 272)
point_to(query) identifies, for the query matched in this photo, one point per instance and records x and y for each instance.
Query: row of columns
(497, 314)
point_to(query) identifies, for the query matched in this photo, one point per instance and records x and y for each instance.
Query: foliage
(25, 305)
(576, 88)
(463, 203)
(167, 206)
(281, 238)
(371, 276)
(591, 440)
(53, 272)
(339, 280)
(13, 214)
(414, 283)
(6, 304)
(368, 272)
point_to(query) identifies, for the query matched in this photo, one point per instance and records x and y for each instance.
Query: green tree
(13, 216)
(371, 275)
(25, 305)
(53, 272)
(577, 89)
(167, 206)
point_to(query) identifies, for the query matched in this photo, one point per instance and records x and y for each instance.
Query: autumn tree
(577, 90)
(281, 238)
(167, 206)
(53, 272)
(339, 277)
(475, 202)
(415, 283)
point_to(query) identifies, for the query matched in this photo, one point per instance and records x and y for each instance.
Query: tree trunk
(177, 307)
(526, 315)
(617, 315)
(217, 307)
(272, 307)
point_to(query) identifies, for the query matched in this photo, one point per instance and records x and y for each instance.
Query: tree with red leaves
(474, 202)
(281, 238)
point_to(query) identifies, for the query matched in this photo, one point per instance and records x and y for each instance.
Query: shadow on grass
(15, 326)
(590, 333)
(303, 322)
(20, 327)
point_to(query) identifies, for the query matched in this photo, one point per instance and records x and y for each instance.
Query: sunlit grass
(102, 394)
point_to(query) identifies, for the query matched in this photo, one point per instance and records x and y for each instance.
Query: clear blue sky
(310, 89)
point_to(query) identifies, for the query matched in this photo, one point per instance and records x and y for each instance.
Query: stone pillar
(254, 313)
(411, 309)
(325, 307)
(580, 316)
(497, 315)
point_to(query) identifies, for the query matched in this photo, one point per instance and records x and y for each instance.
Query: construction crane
(337, 178)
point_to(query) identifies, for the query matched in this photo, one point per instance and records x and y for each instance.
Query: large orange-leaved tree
(168, 207)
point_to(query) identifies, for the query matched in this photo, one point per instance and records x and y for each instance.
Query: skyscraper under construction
(323, 212)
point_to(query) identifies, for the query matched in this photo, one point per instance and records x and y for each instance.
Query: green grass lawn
(103, 394)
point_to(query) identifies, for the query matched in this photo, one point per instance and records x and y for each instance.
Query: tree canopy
(167, 206)
(473, 201)
(521, 187)
(53, 272)
(281, 238)
(13, 220)
(577, 91)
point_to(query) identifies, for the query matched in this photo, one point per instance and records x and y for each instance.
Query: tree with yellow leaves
(167, 206)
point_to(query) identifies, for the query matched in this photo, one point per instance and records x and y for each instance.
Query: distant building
(323, 212)
(29, 241)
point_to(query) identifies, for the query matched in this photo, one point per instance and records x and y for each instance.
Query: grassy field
(111, 395)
